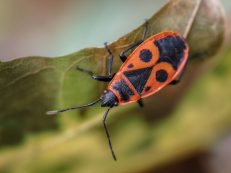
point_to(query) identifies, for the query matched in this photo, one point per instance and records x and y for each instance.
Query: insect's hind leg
(107, 78)
(122, 55)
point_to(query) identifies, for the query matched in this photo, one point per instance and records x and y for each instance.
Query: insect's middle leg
(122, 55)
(140, 102)
(106, 78)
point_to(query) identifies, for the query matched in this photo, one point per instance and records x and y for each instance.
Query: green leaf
(31, 86)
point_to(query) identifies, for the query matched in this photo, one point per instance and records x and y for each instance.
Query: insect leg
(122, 55)
(107, 133)
(140, 102)
(110, 60)
(107, 78)
(97, 77)
(176, 81)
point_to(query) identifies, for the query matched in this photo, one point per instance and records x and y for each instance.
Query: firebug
(154, 63)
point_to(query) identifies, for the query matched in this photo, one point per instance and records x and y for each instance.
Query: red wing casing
(150, 67)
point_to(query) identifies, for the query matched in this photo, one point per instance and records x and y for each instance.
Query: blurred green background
(57, 27)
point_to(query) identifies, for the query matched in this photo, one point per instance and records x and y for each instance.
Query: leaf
(194, 127)
(31, 86)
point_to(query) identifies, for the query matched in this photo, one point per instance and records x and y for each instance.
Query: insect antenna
(71, 108)
(107, 133)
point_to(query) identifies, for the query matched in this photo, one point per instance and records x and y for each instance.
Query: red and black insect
(155, 63)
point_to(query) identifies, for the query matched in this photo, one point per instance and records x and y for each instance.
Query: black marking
(130, 65)
(147, 88)
(171, 50)
(123, 89)
(161, 75)
(109, 99)
(145, 55)
(138, 77)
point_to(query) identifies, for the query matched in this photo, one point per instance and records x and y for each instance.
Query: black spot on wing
(161, 75)
(123, 89)
(145, 55)
(130, 65)
(138, 77)
(171, 50)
